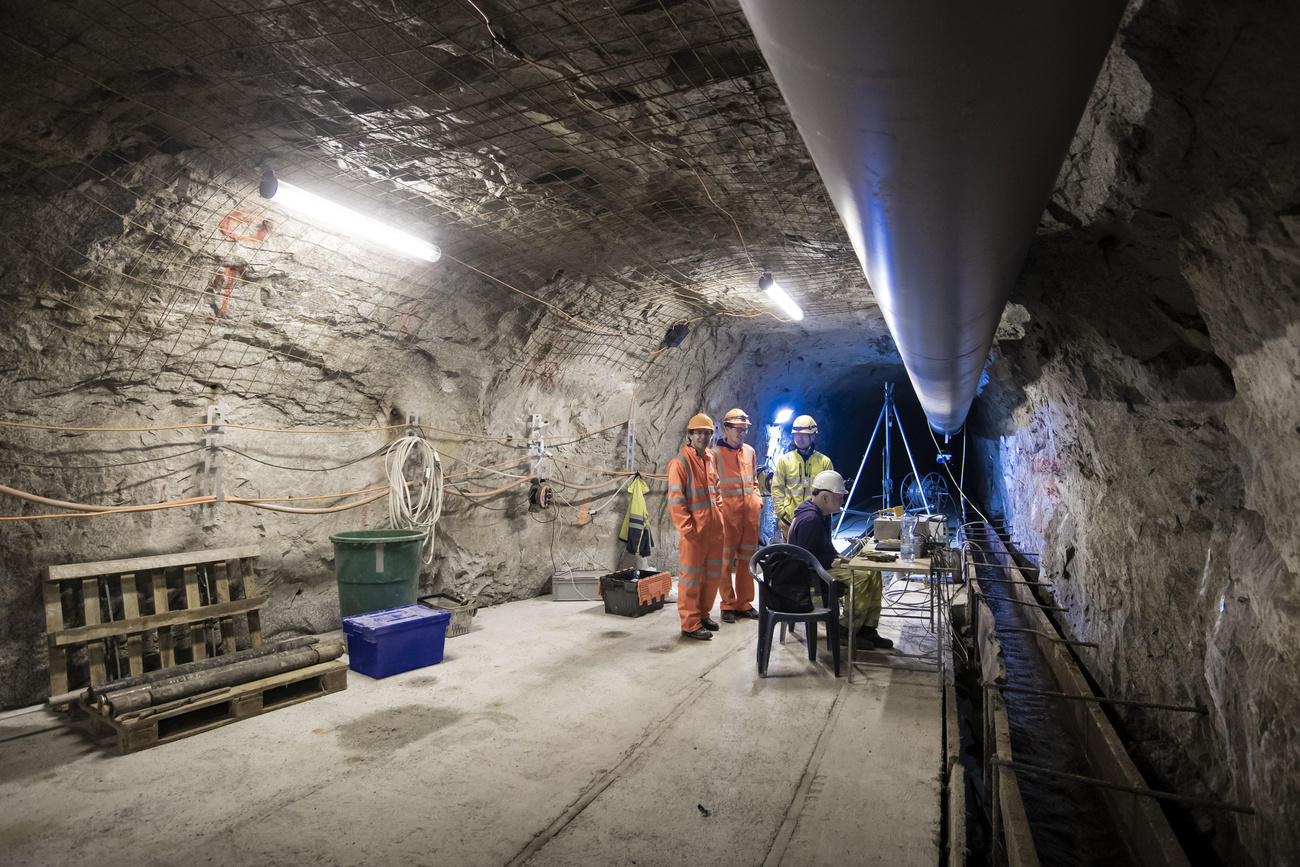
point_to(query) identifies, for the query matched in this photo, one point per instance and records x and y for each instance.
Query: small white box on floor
(576, 585)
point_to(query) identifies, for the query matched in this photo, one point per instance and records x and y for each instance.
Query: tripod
(886, 482)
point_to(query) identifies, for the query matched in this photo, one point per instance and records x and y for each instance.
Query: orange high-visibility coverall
(695, 505)
(741, 504)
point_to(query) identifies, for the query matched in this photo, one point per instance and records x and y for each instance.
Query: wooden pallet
(146, 613)
(123, 618)
(169, 722)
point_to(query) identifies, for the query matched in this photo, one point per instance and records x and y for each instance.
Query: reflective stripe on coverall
(741, 505)
(694, 504)
(792, 483)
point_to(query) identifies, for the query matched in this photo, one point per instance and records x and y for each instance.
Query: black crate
(620, 592)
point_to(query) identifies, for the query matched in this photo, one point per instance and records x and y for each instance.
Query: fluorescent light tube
(780, 297)
(348, 222)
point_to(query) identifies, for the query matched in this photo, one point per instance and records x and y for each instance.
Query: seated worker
(811, 530)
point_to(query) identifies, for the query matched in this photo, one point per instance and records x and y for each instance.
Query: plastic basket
(461, 610)
(634, 592)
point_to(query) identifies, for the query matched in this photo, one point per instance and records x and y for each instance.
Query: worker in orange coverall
(741, 504)
(696, 508)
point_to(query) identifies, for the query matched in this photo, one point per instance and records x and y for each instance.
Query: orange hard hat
(700, 421)
(736, 418)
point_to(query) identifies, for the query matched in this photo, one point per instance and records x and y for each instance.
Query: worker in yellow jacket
(741, 505)
(795, 470)
(695, 505)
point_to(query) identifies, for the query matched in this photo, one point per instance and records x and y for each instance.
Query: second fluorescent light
(779, 296)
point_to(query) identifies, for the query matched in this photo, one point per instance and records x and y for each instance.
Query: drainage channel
(1068, 819)
(1047, 778)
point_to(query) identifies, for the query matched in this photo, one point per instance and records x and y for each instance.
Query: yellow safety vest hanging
(636, 533)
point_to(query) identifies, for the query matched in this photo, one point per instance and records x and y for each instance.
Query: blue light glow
(783, 415)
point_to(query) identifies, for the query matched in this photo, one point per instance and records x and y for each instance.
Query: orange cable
(108, 429)
(517, 460)
(235, 426)
(196, 501)
(597, 486)
(231, 425)
(342, 507)
(514, 484)
(255, 500)
(611, 472)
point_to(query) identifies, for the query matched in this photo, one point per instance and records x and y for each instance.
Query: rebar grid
(635, 168)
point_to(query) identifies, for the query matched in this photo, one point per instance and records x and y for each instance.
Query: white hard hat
(829, 480)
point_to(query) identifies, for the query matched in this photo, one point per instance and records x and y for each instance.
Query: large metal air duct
(938, 129)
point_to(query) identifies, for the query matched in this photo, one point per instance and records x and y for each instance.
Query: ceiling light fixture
(779, 296)
(344, 220)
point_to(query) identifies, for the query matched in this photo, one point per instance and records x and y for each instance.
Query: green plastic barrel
(376, 569)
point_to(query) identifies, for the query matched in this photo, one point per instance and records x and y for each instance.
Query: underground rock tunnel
(605, 184)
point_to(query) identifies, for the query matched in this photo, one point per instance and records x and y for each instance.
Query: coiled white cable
(415, 487)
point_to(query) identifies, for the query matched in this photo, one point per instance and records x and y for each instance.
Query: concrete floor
(551, 734)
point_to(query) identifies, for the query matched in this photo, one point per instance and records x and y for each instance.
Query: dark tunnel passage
(854, 402)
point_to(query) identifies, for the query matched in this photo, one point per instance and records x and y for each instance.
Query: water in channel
(1069, 820)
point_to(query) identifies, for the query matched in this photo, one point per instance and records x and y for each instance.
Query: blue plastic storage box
(394, 640)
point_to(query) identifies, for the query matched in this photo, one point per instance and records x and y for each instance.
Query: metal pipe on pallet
(91, 693)
(204, 664)
(134, 698)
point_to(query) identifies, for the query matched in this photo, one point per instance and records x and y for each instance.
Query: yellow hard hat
(804, 424)
(736, 418)
(700, 421)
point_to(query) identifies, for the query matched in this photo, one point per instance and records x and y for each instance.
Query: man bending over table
(811, 530)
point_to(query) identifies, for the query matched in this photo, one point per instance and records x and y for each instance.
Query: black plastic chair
(769, 617)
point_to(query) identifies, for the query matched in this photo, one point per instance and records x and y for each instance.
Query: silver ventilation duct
(938, 129)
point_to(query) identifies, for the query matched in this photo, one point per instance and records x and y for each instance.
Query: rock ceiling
(628, 165)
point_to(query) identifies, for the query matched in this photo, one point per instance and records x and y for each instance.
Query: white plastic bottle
(907, 538)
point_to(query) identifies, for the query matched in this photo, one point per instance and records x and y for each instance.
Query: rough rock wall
(116, 325)
(55, 375)
(1146, 426)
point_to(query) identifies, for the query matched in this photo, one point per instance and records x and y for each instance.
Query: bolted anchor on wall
(214, 437)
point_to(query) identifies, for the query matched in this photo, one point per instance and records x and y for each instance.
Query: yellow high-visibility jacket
(636, 533)
(792, 481)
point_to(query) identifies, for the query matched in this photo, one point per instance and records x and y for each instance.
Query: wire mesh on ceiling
(631, 164)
